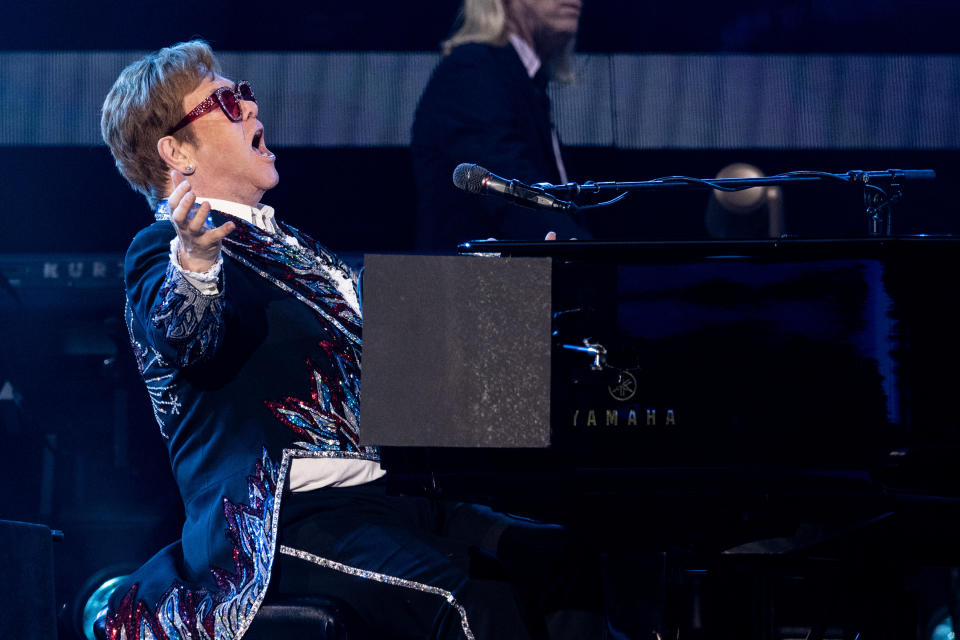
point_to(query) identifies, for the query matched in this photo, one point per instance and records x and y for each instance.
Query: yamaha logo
(624, 388)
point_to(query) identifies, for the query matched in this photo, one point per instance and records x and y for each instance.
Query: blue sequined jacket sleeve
(182, 324)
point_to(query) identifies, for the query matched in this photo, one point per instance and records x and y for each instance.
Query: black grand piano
(792, 400)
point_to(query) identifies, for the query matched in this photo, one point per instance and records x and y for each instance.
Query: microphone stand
(881, 189)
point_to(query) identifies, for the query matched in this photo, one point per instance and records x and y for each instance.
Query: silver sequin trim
(271, 525)
(373, 456)
(379, 577)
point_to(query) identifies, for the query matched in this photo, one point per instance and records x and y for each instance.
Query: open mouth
(258, 145)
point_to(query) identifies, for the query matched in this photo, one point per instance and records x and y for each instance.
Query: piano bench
(320, 618)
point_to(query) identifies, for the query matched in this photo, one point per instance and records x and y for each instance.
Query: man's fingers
(551, 235)
(192, 229)
(195, 224)
(182, 200)
(177, 194)
(216, 235)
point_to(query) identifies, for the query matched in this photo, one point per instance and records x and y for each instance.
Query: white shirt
(306, 474)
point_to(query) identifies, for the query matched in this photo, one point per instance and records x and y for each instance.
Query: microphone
(475, 179)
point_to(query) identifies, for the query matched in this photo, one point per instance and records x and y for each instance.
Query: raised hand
(199, 243)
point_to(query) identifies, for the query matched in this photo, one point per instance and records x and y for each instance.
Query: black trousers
(419, 568)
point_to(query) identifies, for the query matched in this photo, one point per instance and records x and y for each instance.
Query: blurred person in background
(487, 104)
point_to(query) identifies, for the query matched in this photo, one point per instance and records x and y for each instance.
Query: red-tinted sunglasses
(226, 98)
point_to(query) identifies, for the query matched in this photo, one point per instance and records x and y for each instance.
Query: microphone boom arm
(878, 200)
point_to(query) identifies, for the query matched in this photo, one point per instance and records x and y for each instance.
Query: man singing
(247, 333)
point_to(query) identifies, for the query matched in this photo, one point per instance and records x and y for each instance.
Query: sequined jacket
(241, 383)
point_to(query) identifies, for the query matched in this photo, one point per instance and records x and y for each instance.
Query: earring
(188, 170)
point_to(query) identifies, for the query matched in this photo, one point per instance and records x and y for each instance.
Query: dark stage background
(842, 85)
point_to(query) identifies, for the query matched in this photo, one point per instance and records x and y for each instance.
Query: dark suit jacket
(481, 107)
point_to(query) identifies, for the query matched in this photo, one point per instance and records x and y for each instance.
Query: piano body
(790, 398)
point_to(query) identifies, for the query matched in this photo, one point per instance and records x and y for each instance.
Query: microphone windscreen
(469, 177)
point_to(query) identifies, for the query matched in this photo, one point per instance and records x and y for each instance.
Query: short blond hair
(143, 105)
